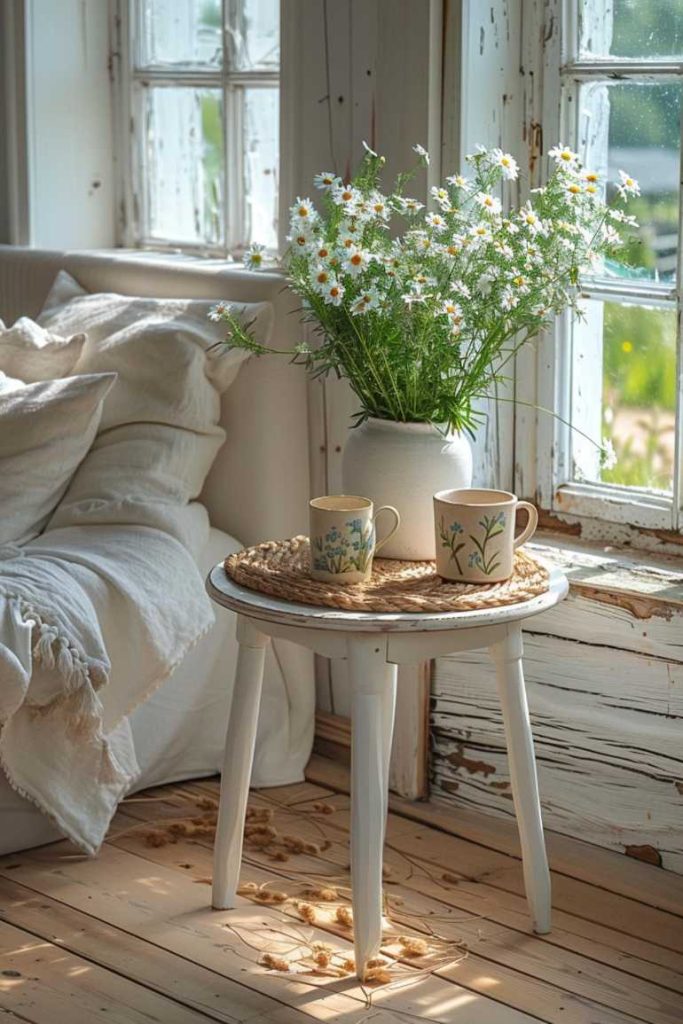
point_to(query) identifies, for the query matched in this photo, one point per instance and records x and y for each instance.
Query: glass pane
(254, 34)
(635, 126)
(183, 164)
(631, 28)
(185, 32)
(261, 152)
(639, 394)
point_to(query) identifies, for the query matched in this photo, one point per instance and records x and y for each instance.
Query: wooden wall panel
(605, 691)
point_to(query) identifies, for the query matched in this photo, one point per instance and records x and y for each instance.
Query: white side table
(374, 644)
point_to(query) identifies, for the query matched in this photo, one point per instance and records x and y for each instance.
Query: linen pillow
(160, 430)
(46, 429)
(30, 353)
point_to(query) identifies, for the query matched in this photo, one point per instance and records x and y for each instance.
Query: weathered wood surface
(609, 959)
(605, 682)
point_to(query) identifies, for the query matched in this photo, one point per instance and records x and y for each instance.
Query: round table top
(255, 605)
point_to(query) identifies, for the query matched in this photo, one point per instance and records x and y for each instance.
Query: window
(199, 99)
(613, 81)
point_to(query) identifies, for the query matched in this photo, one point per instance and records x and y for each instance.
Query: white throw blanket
(65, 599)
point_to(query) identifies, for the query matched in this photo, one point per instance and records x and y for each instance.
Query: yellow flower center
(591, 176)
(323, 276)
(575, 189)
(356, 259)
(334, 292)
(303, 211)
(346, 196)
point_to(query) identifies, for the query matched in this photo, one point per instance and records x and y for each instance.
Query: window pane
(632, 28)
(635, 126)
(181, 32)
(639, 394)
(183, 164)
(254, 34)
(261, 150)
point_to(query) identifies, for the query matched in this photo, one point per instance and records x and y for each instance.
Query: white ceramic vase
(405, 464)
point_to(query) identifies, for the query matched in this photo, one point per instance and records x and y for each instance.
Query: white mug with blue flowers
(475, 534)
(343, 539)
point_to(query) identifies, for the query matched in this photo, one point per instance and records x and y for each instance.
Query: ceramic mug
(342, 536)
(475, 534)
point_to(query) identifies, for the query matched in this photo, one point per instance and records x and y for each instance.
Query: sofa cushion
(46, 428)
(31, 353)
(159, 432)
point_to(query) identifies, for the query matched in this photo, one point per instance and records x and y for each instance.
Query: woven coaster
(281, 569)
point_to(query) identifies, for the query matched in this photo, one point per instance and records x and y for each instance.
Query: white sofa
(258, 489)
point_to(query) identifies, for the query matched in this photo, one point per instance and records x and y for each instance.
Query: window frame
(542, 442)
(127, 74)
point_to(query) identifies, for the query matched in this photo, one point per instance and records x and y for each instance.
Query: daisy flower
(299, 240)
(253, 257)
(366, 302)
(355, 262)
(346, 195)
(450, 308)
(506, 162)
(321, 278)
(326, 179)
(563, 156)
(488, 202)
(436, 221)
(628, 186)
(303, 211)
(410, 205)
(459, 181)
(347, 241)
(421, 152)
(480, 234)
(378, 206)
(441, 196)
(333, 293)
(415, 295)
(531, 221)
(219, 311)
(508, 300)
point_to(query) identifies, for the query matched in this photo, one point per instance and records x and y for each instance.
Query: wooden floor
(129, 938)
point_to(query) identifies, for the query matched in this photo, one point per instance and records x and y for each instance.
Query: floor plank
(136, 920)
(44, 983)
(563, 985)
(165, 907)
(172, 976)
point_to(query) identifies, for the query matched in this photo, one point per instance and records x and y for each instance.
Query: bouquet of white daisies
(423, 319)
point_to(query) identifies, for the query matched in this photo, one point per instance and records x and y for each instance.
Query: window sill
(646, 585)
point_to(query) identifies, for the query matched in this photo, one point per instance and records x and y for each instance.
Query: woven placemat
(282, 569)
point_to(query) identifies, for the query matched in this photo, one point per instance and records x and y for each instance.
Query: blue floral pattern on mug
(482, 557)
(348, 548)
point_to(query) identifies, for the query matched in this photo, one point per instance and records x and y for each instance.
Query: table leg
(237, 761)
(507, 655)
(373, 694)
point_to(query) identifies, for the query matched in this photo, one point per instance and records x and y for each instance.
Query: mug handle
(530, 527)
(397, 523)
